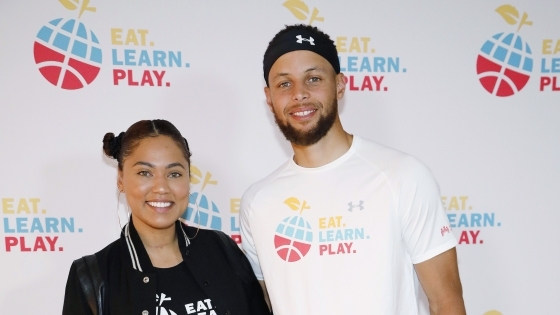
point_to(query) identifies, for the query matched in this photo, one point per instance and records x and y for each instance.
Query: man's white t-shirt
(342, 238)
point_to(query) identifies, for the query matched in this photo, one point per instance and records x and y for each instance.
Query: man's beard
(313, 135)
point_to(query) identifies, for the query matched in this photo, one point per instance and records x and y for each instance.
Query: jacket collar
(136, 252)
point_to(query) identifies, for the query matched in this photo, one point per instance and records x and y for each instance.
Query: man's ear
(268, 98)
(340, 86)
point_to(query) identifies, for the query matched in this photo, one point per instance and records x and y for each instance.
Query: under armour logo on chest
(360, 205)
(300, 40)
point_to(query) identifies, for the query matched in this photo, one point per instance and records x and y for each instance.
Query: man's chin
(308, 132)
(303, 131)
(301, 137)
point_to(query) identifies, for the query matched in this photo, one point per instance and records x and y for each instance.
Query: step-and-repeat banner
(472, 88)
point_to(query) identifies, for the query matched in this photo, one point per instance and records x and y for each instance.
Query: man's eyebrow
(282, 74)
(316, 68)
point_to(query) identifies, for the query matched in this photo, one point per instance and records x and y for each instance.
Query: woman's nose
(160, 185)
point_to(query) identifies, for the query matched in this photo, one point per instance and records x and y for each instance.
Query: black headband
(300, 39)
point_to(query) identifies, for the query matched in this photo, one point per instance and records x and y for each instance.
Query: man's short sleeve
(426, 229)
(247, 242)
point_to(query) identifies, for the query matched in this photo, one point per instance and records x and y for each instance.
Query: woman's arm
(239, 262)
(74, 300)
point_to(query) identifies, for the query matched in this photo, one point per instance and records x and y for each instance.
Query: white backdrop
(496, 158)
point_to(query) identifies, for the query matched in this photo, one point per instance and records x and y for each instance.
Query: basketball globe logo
(505, 61)
(202, 211)
(67, 53)
(293, 238)
(293, 235)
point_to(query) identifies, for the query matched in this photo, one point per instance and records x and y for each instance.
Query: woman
(160, 266)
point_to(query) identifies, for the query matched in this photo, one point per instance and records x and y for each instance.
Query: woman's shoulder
(105, 256)
(106, 252)
(193, 232)
(209, 240)
(110, 249)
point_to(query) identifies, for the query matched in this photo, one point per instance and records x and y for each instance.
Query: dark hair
(121, 146)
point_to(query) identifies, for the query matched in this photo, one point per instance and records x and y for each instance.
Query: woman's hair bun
(112, 145)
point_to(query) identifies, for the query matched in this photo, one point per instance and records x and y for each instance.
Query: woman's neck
(161, 245)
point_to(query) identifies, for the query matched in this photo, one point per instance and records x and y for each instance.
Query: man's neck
(332, 146)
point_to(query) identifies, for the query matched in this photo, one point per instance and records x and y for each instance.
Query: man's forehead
(300, 61)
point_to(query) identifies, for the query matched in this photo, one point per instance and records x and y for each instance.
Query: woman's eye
(175, 175)
(284, 84)
(144, 173)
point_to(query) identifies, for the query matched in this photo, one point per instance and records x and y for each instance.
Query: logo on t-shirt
(294, 234)
(202, 307)
(359, 205)
(293, 237)
(160, 309)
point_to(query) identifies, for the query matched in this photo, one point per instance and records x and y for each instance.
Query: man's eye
(284, 84)
(314, 79)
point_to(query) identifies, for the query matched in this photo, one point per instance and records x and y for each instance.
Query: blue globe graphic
(203, 212)
(295, 228)
(509, 49)
(293, 238)
(67, 53)
(504, 64)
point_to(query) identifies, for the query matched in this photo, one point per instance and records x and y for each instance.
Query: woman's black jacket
(129, 279)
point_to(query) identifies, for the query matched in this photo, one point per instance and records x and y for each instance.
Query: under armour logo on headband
(301, 39)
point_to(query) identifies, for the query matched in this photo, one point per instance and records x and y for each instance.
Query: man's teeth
(305, 112)
(159, 204)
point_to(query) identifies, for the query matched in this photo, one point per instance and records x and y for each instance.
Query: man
(347, 225)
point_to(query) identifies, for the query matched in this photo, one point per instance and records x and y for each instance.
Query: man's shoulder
(390, 160)
(380, 153)
(253, 190)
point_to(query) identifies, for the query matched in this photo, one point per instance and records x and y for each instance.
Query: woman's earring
(118, 203)
(194, 219)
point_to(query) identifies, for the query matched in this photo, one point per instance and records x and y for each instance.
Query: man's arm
(439, 277)
(265, 292)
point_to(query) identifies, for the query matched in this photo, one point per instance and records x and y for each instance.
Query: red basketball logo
(293, 238)
(505, 61)
(68, 55)
(504, 64)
